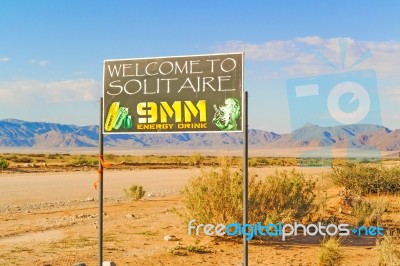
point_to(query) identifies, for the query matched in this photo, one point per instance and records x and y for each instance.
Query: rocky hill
(17, 133)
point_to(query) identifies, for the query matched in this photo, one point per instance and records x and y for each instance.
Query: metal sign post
(245, 177)
(101, 152)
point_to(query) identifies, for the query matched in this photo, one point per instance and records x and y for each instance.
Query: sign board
(200, 93)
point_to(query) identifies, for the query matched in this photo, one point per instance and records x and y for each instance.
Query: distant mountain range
(41, 135)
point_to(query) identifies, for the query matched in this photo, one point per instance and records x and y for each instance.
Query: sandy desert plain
(49, 213)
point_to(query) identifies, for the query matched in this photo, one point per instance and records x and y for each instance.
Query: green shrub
(314, 162)
(3, 163)
(216, 197)
(330, 252)
(135, 192)
(367, 179)
(84, 161)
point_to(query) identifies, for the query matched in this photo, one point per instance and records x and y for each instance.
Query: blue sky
(52, 52)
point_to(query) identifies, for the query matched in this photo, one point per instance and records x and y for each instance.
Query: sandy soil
(28, 188)
(50, 219)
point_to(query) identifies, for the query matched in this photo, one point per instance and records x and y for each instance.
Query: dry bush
(330, 252)
(367, 179)
(281, 197)
(23, 159)
(216, 197)
(196, 159)
(366, 211)
(263, 161)
(388, 249)
(369, 211)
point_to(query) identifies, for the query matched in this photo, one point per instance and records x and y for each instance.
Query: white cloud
(35, 91)
(391, 91)
(268, 51)
(80, 73)
(311, 40)
(313, 55)
(39, 62)
(4, 59)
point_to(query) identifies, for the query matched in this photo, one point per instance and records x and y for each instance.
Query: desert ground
(50, 218)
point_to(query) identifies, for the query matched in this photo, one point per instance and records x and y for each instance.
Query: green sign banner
(200, 93)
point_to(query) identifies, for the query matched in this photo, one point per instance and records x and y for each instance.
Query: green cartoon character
(226, 116)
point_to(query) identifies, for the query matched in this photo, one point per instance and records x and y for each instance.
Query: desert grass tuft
(388, 249)
(330, 252)
(135, 192)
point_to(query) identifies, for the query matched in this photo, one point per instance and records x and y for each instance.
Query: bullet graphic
(111, 116)
(128, 122)
(122, 114)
